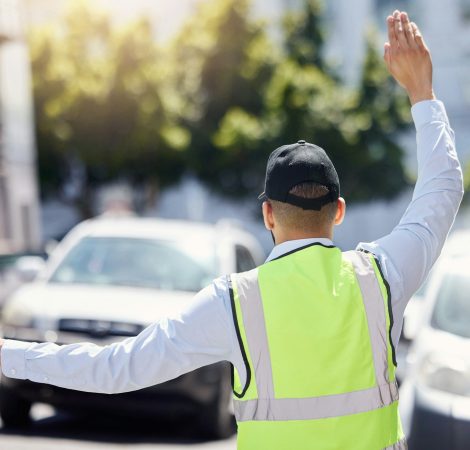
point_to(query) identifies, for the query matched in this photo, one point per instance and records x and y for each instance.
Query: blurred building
(446, 28)
(19, 203)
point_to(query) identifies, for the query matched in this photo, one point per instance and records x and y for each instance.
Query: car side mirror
(50, 246)
(28, 267)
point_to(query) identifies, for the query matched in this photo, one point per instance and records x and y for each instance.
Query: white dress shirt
(203, 332)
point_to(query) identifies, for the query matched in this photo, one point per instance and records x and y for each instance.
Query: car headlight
(447, 374)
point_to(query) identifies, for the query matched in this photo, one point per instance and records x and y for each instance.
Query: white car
(109, 279)
(458, 245)
(435, 396)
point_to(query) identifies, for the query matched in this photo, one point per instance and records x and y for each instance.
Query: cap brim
(262, 196)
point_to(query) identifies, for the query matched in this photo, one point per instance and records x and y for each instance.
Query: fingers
(399, 31)
(408, 30)
(403, 33)
(387, 55)
(418, 37)
(392, 39)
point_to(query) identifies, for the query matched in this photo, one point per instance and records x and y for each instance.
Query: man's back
(314, 329)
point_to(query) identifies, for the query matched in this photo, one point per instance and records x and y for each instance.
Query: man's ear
(340, 211)
(268, 215)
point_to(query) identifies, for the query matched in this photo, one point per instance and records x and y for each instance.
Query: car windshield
(452, 309)
(160, 264)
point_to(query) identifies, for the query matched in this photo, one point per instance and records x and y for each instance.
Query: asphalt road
(54, 431)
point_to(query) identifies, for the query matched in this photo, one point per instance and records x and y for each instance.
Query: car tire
(216, 419)
(14, 409)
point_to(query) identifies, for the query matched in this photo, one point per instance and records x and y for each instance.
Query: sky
(168, 15)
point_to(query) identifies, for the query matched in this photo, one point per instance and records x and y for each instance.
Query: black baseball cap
(298, 163)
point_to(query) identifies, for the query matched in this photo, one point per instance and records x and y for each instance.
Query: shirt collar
(290, 246)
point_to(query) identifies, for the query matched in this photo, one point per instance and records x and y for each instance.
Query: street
(54, 431)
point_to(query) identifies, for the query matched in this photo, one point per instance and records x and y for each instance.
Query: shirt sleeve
(408, 253)
(201, 334)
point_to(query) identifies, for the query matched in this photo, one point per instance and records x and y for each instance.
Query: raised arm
(409, 251)
(408, 59)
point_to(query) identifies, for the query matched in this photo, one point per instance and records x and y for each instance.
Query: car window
(452, 308)
(244, 258)
(169, 265)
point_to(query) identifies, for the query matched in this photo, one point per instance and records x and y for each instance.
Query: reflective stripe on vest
(265, 406)
(311, 408)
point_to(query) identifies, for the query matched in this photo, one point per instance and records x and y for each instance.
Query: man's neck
(284, 237)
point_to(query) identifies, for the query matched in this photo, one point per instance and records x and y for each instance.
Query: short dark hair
(305, 220)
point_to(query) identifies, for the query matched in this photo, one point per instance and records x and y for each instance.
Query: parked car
(456, 246)
(109, 279)
(435, 396)
(16, 269)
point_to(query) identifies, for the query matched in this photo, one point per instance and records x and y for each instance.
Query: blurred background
(135, 112)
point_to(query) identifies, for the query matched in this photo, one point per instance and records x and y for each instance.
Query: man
(312, 332)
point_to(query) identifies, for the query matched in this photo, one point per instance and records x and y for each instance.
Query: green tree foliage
(381, 110)
(214, 102)
(101, 96)
(224, 61)
(304, 100)
(304, 36)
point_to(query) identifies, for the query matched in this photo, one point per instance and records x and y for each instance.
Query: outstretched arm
(410, 250)
(199, 335)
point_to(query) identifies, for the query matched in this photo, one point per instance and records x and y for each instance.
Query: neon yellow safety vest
(314, 331)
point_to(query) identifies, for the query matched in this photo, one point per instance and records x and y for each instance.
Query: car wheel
(14, 410)
(216, 419)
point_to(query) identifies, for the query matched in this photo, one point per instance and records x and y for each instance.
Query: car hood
(439, 345)
(126, 304)
(438, 341)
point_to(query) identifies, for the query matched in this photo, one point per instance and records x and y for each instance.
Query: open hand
(407, 57)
